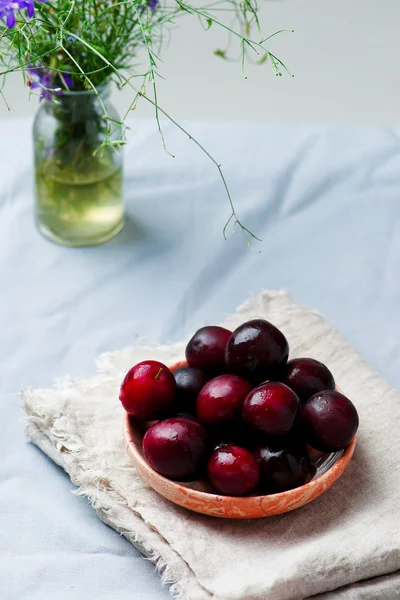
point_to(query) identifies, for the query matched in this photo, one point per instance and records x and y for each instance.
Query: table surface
(324, 200)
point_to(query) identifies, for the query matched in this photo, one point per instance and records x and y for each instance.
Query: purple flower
(7, 11)
(66, 80)
(41, 78)
(8, 8)
(30, 8)
(152, 4)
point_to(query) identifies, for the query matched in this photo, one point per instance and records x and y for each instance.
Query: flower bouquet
(69, 52)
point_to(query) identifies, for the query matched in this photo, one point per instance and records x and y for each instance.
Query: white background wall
(345, 55)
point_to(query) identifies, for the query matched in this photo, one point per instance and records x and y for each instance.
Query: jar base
(81, 241)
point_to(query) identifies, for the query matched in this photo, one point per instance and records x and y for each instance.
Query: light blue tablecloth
(326, 202)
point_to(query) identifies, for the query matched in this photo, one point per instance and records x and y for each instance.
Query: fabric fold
(344, 545)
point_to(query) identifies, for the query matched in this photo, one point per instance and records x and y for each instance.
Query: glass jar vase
(78, 171)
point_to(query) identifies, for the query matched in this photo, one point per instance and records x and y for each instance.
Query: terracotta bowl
(199, 497)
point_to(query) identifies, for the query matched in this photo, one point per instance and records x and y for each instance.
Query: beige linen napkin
(349, 538)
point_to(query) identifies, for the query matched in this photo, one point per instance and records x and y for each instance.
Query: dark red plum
(329, 421)
(233, 471)
(206, 349)
(307, 376)
(148, 390)
(175, 447)
(272, 408)
(282, 468)
(256, 350)
(189, 383)
(221, 399)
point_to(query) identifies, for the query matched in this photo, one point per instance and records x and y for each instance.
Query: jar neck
(78, 106)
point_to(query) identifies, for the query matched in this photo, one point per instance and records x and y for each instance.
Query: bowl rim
(326, 479)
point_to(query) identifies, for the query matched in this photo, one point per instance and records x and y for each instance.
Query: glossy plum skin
(175, 447)
(256, 350)
(272, 408)
(233, 471)
(189, 383)
(221, 399)
(282, 468)
(329, 421)
(148, 390)
(307, 376)
(206, 349)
